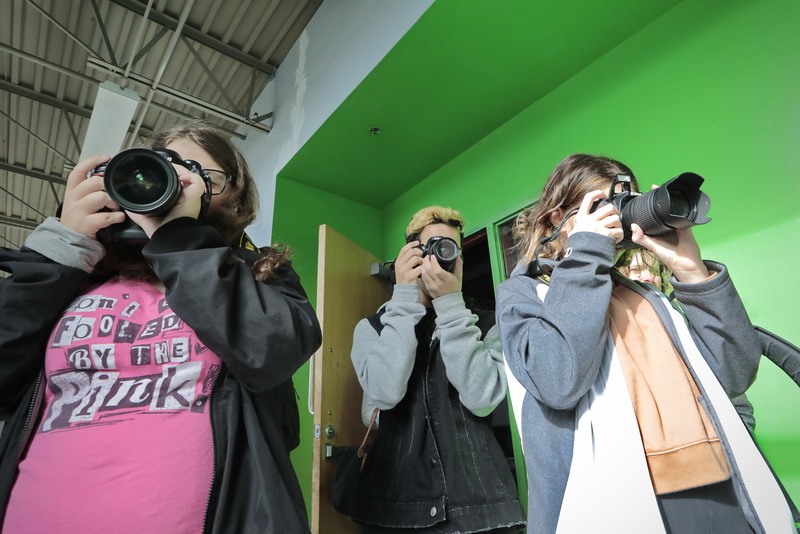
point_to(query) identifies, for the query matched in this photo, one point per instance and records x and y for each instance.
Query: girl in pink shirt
(145, 373)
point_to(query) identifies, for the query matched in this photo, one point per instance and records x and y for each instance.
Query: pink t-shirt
(123, 440)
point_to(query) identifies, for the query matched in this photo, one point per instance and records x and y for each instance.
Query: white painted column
(341, 45)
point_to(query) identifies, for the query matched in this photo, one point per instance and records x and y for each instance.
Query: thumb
(458, 269)
(638, 236)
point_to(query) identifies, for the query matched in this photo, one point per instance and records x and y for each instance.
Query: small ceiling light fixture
(374, 130)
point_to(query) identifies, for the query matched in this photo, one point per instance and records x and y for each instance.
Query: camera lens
(679, 204)
(139, 186)
(142, 181)
(446, 250)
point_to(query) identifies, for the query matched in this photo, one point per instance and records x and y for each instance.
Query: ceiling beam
(101, 24)
(22, 201)
(209, 73)
(15, 245)
(45, 99)
(16, 222)
(61, 27)
(198, 36)
(65, 105)
(18, 169)
(49, 64)
(182, 98)
(162, 67)
(33, 134)
(112, 69)
(135, 53)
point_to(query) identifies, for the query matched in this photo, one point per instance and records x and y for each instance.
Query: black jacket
(433, 459)
(262, 332)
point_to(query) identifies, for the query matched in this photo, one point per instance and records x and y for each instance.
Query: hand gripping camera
(445, 249)
(677, 204)
(141, 180)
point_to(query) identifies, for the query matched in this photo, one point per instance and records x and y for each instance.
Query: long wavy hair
(569, 182)
(235, 209)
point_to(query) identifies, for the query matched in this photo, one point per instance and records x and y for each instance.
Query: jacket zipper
(206, 524)
(431, 358)
(32, 409)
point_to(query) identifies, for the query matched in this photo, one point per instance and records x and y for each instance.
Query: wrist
(406, 281)
(692, 276)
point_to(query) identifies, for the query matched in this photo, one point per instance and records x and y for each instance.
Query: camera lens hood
(677, 204)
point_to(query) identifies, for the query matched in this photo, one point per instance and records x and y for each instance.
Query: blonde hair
(569, 182)
(434, 215)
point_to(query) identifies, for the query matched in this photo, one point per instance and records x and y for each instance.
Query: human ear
(556, 216)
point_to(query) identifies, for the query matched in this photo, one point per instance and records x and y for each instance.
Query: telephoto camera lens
(445, 249)
(141, 180)
(677, 204)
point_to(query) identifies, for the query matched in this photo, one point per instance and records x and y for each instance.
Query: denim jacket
(434, 462)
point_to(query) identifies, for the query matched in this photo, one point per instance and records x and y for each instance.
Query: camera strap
(535, 267)
(205, 202)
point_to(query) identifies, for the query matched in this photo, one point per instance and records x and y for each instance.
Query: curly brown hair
(569, 182)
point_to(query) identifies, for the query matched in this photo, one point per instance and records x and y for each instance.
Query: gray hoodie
(554, 348)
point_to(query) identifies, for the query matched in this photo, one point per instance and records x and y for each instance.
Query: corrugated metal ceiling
(185, 58)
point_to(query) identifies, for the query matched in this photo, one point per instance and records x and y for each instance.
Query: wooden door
(346, 293)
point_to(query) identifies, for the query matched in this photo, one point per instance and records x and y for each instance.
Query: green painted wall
(761, 263)
(299, 212)
(709, 87)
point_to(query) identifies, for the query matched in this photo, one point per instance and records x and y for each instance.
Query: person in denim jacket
(435, 370)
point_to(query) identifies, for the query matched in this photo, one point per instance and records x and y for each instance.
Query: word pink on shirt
(123, 441)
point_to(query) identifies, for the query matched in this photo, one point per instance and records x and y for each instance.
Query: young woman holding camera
(148, 395)
(624, 408)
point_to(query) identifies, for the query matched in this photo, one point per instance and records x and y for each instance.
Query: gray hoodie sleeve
(367, 407)
(719, 321)
(56, 242)
(554, 345)
(384, 362)
(474, 367)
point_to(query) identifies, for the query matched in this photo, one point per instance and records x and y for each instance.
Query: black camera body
(445, 249)
(676, 204)
(144, 181)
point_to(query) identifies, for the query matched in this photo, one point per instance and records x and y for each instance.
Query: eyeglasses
(218, 180)
(176, 159)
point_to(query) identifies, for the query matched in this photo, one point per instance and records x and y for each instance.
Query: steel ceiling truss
(105, 61)
(184, 32)
(200, 37)
(18, 222)
(36, 137)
